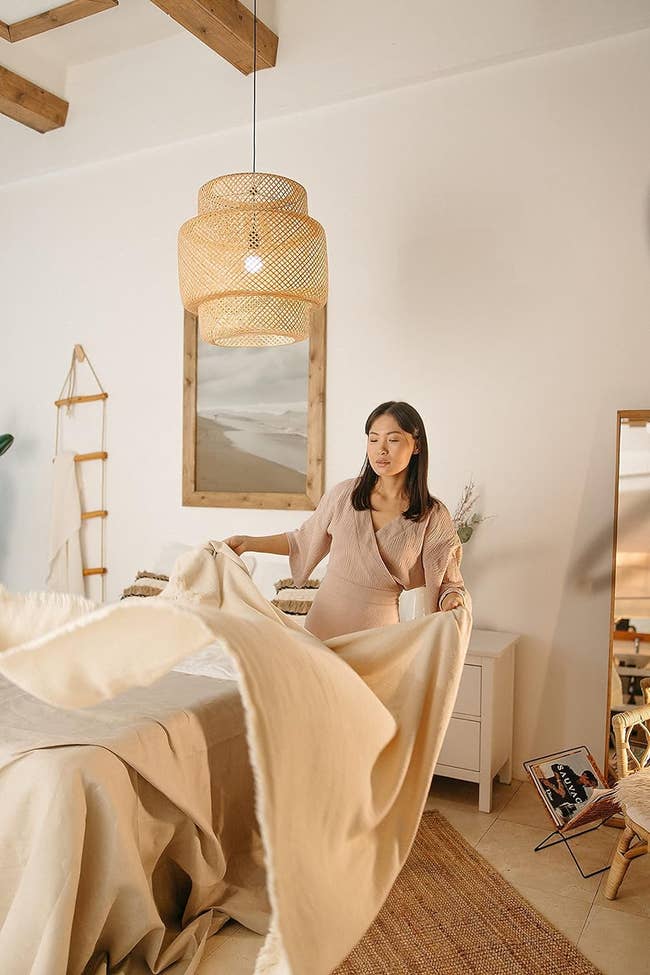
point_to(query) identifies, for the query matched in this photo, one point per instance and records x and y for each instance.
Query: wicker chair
(637, 820)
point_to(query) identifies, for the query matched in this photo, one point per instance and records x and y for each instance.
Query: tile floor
(613, 934)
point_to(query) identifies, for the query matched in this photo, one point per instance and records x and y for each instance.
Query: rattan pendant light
(253, 264)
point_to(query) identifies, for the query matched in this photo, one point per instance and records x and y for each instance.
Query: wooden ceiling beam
(25, 102)
(4, 30)
(67, 13)
(226, 26)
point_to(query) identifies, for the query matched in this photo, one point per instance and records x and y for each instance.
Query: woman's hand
(451, 601)
(238, 543)
(271, 544)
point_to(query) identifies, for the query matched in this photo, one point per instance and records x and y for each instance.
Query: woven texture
(146, 584)
(253, 191)
(451, 913)
(289, 584)
(253, 264)
(255, 321)
(294, 600)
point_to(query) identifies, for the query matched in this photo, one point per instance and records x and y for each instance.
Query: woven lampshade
(253, 264)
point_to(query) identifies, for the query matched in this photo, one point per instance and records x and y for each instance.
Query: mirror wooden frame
(315, 475)
(622, 416)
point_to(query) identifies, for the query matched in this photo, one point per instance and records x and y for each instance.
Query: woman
(383, 530)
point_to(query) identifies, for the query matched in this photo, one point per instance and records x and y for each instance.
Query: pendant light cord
(254, 74)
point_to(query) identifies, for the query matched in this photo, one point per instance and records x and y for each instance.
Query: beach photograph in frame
(253, 422)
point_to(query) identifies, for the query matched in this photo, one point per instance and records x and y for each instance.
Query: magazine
(572, 788)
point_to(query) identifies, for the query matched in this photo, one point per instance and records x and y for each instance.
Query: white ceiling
(135, 79)
(131, 24)
(367, 29)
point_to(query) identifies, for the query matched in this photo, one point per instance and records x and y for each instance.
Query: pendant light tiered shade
(253, 263)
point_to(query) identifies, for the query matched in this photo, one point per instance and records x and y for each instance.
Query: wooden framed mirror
(629, 640)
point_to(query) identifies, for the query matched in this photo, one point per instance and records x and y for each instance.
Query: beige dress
(368, 570)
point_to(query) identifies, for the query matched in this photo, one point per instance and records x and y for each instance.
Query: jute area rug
(451, 913)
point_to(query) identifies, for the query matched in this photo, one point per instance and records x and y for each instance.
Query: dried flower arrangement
(464, 520)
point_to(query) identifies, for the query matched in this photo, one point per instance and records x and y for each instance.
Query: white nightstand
(478, 743)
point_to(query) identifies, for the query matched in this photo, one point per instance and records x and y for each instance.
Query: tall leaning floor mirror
(630, 623)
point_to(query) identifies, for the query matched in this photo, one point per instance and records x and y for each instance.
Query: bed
(129, 825)
(148, 805)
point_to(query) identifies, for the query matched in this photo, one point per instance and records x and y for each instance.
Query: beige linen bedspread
(343, 737)
(127, 830)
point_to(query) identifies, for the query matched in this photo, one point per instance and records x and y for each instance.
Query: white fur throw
(633, 792)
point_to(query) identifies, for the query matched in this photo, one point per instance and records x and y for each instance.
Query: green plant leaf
(6, 441)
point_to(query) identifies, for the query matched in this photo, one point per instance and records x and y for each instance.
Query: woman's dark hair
(420, 501)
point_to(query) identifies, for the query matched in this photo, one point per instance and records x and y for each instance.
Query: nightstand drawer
(468, 700)
(462, 745)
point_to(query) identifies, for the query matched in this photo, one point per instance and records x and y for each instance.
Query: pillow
(293, 600)
(146, 584)
(213, 661)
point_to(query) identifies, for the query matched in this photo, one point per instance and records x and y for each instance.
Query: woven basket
(253, 264)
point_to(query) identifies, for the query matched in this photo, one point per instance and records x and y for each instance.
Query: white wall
(489, 239)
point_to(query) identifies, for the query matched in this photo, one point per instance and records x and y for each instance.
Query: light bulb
(253, 263)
